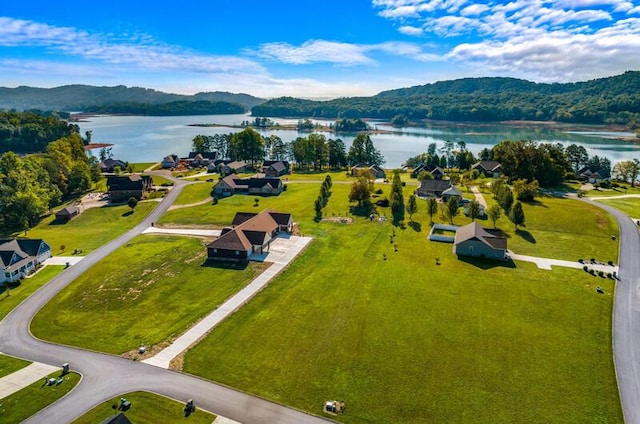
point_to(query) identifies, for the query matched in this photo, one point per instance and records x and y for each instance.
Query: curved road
(626, 316)
(105, 376)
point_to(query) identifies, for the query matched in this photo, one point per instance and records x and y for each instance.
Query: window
(215, 250)
(237, 252)
(470, 249)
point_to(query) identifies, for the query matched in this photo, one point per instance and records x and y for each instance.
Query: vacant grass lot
(91, 229)
(26, 402)
(26, 287)
(406, 340)
(147, 408)
(563, 228)
(194, 193)
(9, 364)
(142, 294)
(628, 205)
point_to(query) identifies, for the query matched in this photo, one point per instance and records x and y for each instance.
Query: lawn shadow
(535, 203)
(238, 266)
(127, 213)
(360, 210)
(484, 263)
(415, 226)
(526, 235)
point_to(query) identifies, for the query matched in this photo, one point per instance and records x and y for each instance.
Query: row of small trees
(323, 197)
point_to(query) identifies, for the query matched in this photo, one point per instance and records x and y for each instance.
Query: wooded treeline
(613, 100)
(177, 108)
(30, 132)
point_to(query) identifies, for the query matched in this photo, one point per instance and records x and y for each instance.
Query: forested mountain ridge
(607, 100)
(80, 97)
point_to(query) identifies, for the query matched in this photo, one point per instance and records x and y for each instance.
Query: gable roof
(475, 231)
(204, 155)
(452, 191)
(30, 247)
(434, 185)
(249, 229)
(487, 165)
(68, 211)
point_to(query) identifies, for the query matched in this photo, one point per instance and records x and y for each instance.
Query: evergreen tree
(396, 199)
(452, 209)
(474, 210)
(432, 208)
(412, 206)
(517, 215)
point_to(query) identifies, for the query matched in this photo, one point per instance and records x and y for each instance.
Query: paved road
(626, 316)
(107, 376)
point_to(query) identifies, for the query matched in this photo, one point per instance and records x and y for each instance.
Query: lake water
(151, 138)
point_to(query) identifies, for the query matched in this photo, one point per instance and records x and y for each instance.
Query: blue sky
(309, 48)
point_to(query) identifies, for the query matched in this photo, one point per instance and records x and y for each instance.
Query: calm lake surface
(150, 138)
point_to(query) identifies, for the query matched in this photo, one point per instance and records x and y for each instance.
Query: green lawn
(27, 286)
(91, 229)
(147, 408)
(563, 228)
(629, 205)
(26, 402)
(159, 180)
(297, 175)
(9, 364)
(406, 340)
(141, 166)
(144, 293)
(194, 193)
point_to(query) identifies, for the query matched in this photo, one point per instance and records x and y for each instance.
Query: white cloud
(474, 10)
(136, 51)
(315, 51)
(344, 54)
(410, 30)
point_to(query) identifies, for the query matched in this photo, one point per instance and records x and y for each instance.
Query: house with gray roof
(474, 241)
(20, 257)
(433, 188)
(231, 184)
(488, 168)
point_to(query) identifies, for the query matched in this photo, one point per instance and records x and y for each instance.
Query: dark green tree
(474, 210)
(452, 209)
(132, 203)
(396, 199)
(432, 208)
(412, 206)
(517, 215)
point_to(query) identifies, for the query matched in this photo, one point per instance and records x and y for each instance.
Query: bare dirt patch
(338, 219)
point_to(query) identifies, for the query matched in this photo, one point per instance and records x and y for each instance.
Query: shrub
(601, 273)
(378, 191)
(609, 275)
(610, 263)
(383, 203)
(585, 268)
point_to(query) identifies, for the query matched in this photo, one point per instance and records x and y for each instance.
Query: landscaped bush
(585, 268)
(378, 191)
(601, 273)
(383, 203)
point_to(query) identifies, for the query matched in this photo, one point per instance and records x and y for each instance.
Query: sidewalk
(546, 263)
(286, 250)
(24, 377)
(62, 260)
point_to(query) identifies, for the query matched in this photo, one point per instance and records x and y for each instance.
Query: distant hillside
(608, 100)
(81, 97)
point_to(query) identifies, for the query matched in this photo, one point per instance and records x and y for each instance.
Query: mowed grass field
(406, 340)
(24, 403)
(27, 286)
(144, 293)
(628, 205)
(194, 193)
(91, 229)
(147, 408)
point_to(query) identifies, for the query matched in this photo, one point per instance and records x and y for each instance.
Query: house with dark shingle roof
(433, 188)
(68, 213)
(231, 184)
(108, 165)
(474, 241)
(434, 170)
(375, 170)
(488, 168)
(121, 188)
(20, 257)
(275, 168)
(250, 233)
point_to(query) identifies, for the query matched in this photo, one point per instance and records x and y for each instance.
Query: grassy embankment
(91, 229)
(145, 293)
(24, 403)
(147, 408)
